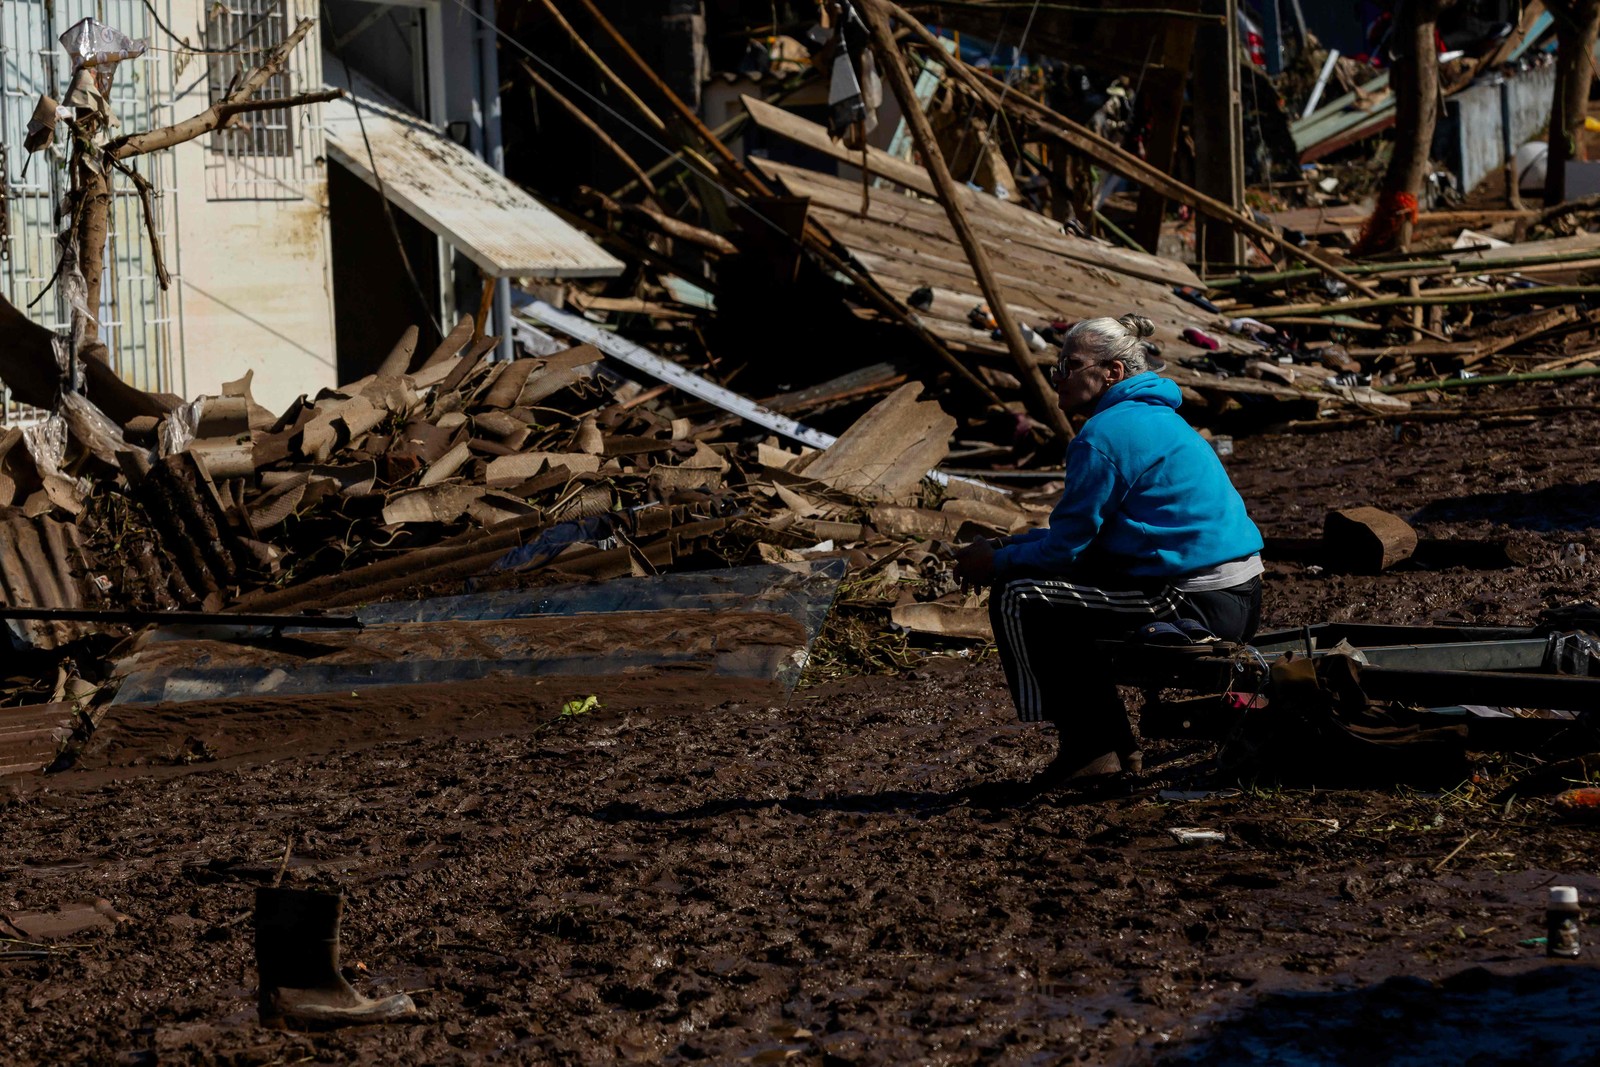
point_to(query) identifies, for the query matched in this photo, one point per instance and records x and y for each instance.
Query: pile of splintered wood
(449, 467)
(1317, 340)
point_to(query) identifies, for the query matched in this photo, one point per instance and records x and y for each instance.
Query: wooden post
(1219, 130)
(685, 112)
(1164, 85)
(594, 127)
(1577, 24)
(810, 236)
(1041, 398)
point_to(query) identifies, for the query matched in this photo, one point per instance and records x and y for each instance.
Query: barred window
(250, 28)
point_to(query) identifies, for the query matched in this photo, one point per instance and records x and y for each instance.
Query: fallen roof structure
(492, 221)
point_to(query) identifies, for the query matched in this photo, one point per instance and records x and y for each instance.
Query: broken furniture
(1346, 701)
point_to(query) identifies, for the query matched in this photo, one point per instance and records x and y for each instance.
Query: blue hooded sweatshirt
(1146, 491)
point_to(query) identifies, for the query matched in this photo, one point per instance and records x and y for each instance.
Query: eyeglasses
(1064, 370)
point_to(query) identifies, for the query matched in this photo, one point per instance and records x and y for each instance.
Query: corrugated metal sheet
(452, 192)
(1347, 119)
(1472, 135)
(42, 565)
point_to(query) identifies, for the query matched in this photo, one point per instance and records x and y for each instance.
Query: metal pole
(494, 152)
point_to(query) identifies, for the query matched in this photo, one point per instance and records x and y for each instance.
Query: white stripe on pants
(1128, 610)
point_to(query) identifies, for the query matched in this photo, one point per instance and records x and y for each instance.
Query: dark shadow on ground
(1557, 507)
(1475, 1017)
(997, 798)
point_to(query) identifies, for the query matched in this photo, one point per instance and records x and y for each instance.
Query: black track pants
(1046, 629)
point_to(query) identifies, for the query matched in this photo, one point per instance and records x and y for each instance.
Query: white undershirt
(1223, 576)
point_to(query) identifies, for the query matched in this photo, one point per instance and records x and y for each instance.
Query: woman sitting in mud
(1148, 529)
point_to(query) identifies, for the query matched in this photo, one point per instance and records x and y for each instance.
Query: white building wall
(252, 257)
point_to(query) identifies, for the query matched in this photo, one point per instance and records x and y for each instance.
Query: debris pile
(411, 481)
(822, 348)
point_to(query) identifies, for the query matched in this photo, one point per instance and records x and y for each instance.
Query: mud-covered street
(691, 875)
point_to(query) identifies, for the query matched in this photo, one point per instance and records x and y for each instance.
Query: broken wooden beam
(1040, 396)
(997, 96)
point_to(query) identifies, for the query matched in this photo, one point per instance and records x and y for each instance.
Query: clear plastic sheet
(457, 639)
(91, 43)
(46, 443)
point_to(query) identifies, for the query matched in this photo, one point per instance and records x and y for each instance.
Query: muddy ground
(696, 875)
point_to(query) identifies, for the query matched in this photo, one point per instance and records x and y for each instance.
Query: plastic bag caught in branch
(91, 43)
(177, 431)
(46, 444)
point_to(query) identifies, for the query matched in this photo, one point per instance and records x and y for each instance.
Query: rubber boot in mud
(297, 957)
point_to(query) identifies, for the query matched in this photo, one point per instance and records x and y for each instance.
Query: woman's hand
(975, 564)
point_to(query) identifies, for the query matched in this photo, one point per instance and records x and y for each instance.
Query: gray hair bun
(1138, 325)
(1104, 339)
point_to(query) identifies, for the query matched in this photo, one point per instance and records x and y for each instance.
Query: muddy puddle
(692, 874)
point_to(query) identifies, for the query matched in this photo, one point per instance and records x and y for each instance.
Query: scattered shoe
(297, 957)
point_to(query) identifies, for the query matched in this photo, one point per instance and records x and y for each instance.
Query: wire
(383, 195)
(709, 176)
(1000, 117)
(1022, 45)
(230, 50)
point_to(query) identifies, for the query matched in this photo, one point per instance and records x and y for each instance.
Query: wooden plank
(1004, 223)
(1367, 540)
(1023, 262)
(813, 136)
(889, 450)
(28, 736)
(1579, 242)
(1037, 392)
(1045, 304)
(908, 224)
(995, 94)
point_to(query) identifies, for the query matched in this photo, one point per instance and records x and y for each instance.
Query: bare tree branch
(213, 118)
(218, 114)
(145, 189)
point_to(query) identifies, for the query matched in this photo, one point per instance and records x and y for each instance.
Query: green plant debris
(580, 706)
(855, 641)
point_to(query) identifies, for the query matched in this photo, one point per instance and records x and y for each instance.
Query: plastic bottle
(1561, 922)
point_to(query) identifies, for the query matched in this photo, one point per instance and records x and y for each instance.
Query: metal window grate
(245, 30)
(264, 155)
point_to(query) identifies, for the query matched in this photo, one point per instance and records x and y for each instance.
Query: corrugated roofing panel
(452, 192)
(41, 566)
(31, 737)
